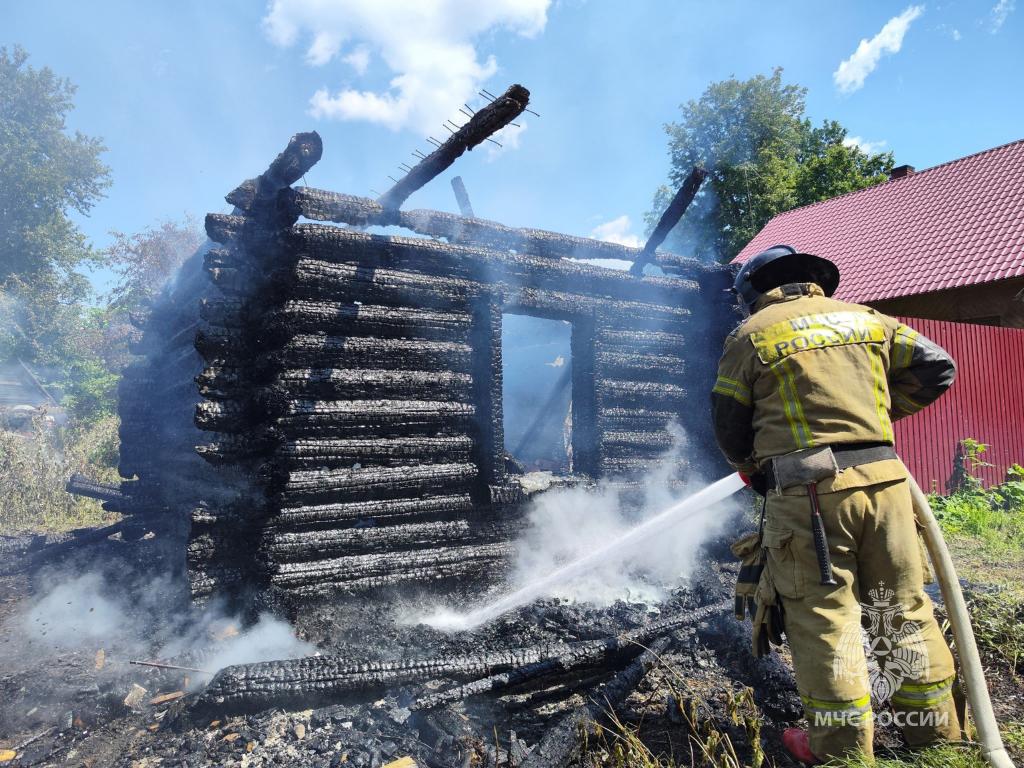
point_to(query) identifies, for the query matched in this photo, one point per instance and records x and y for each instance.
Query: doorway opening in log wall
(536, 370)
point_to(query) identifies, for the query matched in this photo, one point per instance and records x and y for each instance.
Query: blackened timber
(373, 417)
(356, 352)
(613, 418)
(389, 451)
(384, 509)
(334, 383)
(650, 342)
(304, 150)
(671, 216)
(361, 572)
(613, 392)
(80, 485)
(462, 196)
(646, 442)
(481, 125)
(320, 205)
(667, 368)
(321, 679)
(317, 279)
(488, 425)
(562, 741)
(373, 482)
(365, 320)
(637, 467)
(423, 255)
(396, 539)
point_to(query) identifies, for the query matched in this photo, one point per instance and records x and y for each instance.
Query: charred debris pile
(317, 425)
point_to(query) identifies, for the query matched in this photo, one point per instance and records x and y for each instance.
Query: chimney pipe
(901, 172)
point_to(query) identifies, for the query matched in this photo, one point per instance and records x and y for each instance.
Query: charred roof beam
(480, 127)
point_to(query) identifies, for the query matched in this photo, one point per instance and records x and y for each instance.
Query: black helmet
(779, 265)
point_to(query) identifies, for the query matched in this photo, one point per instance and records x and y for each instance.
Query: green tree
(144, 261)
(48, 174)
(763, 157)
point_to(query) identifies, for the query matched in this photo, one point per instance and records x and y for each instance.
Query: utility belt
(816, 464)
(755, 590)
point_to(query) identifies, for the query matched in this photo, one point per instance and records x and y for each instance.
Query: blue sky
(193, 97)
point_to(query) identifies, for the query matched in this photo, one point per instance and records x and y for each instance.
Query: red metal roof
(959, 223)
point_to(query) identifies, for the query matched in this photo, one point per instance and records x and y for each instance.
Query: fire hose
(989, 738)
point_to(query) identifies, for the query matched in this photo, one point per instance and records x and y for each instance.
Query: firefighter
(807, 390)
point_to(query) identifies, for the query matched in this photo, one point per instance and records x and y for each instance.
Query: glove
(769, 618)
(756, 481)
(748, 551)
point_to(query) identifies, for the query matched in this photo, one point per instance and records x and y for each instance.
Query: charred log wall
(351, 384)
(164, 477)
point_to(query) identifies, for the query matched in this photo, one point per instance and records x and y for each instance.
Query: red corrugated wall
(986, 403)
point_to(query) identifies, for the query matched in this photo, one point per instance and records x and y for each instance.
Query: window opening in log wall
(536, 368)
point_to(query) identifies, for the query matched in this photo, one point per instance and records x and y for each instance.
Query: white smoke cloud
(428, 46)
(865, 146)
(1000, 13)
(84, 612)
(852, 72)
(567, 525)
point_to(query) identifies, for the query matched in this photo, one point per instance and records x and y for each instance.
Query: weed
(998, 620)
(35, 465)
(995, 517)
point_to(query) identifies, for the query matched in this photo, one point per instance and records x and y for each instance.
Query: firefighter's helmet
(779, 265)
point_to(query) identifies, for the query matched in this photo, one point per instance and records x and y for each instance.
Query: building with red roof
(943, 249)
(946, 243)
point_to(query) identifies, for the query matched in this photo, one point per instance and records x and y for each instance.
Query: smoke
(88, 612)
(598, 546)
(566, 524)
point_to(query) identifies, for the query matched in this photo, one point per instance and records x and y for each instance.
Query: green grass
(950, 756)
(34, 467)
(992, 517)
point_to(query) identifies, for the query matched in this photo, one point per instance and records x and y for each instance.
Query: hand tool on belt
(808, 468)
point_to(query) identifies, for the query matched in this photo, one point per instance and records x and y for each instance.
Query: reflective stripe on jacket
(807, 370)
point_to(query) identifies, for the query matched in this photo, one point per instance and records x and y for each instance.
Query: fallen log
(323, 679)
(562, 740)
(80, 485)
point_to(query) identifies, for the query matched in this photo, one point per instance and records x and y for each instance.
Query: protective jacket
(806, 370)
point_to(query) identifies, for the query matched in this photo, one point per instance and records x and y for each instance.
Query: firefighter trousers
(906, 669)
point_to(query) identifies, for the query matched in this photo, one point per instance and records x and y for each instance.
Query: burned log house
(351, 414)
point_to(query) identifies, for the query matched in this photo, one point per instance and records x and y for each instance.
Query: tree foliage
(144, 261)
(763, 156)
(48, 174)
(49, 315)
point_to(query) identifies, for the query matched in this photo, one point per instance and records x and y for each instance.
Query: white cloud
(508, 137)
(999, 13)
(617, 231)
(865, 146)
(852, 72)
(956, 34)
(359, 59)
(428, 46)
